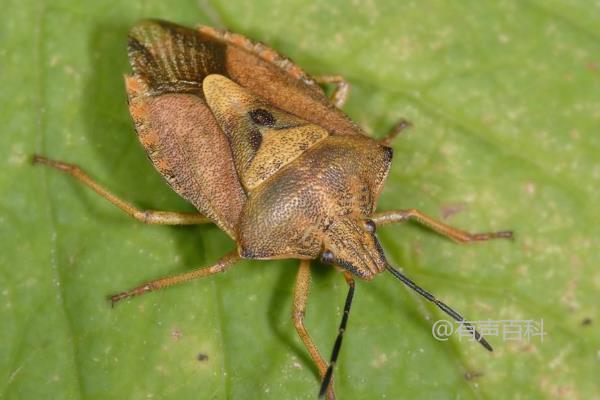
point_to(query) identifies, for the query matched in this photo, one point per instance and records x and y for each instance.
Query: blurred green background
(505, 101)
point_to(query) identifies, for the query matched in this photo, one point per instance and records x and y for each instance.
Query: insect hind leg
(342, 88)
(146, 216)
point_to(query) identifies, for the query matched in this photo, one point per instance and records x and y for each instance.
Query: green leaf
(505, 101)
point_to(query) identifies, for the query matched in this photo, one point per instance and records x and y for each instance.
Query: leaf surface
(505, 102)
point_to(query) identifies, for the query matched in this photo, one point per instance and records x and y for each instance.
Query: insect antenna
(338, 341)
(444, 307)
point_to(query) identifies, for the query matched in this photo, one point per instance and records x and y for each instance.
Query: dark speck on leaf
(471, 375)
(202, 357)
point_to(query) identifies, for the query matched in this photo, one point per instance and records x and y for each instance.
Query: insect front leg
(342, 88)
(220, 266)
(460, 236)
(395, 131)
(146, 216)
(301, 290)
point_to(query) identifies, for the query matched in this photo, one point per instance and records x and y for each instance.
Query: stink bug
(257, 147)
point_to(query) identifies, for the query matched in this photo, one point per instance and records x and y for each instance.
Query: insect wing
(173, 123)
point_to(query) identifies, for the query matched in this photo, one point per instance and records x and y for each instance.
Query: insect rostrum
(257, 147)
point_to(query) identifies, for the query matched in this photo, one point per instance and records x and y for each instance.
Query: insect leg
(223, 264)
(396, 129)
(301, 290)
(146, 216)
(327, 379)
(390, 217)
(341, 91)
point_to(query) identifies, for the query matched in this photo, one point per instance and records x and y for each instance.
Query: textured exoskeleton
(258, 148)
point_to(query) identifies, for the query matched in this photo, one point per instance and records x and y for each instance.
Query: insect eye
(370, 226)
(262, 117)
(327, 257)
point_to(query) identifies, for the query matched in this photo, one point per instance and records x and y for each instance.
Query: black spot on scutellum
(262, 117)
(255, 139)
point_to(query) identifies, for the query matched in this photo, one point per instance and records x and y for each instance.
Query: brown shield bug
(257, 147)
